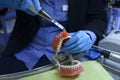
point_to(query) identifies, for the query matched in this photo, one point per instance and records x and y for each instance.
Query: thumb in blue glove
(80, 42)
(36, 5)
(21, 5)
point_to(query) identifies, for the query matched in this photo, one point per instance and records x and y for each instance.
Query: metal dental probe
(46, 16)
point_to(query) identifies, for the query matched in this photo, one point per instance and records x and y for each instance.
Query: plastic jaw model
(66, 70)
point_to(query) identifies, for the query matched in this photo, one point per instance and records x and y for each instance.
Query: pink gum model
(66, 70)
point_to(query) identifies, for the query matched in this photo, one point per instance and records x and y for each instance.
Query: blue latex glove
(80, 42)
(20, 5)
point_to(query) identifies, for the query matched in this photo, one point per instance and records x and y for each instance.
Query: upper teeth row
(60, 43)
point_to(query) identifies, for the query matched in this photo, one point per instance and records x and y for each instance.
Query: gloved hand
(20, 5)
(80, 42)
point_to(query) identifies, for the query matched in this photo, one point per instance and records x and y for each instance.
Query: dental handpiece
(46, 16)
(108, 54)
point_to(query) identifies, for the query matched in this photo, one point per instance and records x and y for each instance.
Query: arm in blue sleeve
(17, 4)
(20, 4)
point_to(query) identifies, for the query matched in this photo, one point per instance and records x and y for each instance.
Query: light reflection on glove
(20, 5)
(80, 42)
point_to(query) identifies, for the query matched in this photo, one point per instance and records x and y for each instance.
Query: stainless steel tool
(110, 65)
(46, 16)
(108, 54)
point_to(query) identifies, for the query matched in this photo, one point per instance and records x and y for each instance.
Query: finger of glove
(37, 4)
(23, 4)
(81, 48)
(72, 40)
(86, 41)
(74, 50)
(73, 46)
(86, 48)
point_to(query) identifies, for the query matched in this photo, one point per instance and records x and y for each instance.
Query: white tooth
(77, 65)
(73, 67)
(66, 67)
(66, 37)
(62, 66)
(59, 46)
(70, 67)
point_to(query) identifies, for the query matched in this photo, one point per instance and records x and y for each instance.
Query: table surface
(92, 71)
(115, 76)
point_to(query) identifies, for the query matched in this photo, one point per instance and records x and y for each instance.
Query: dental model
(65, 70)
(59, 40)
(71, 70)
